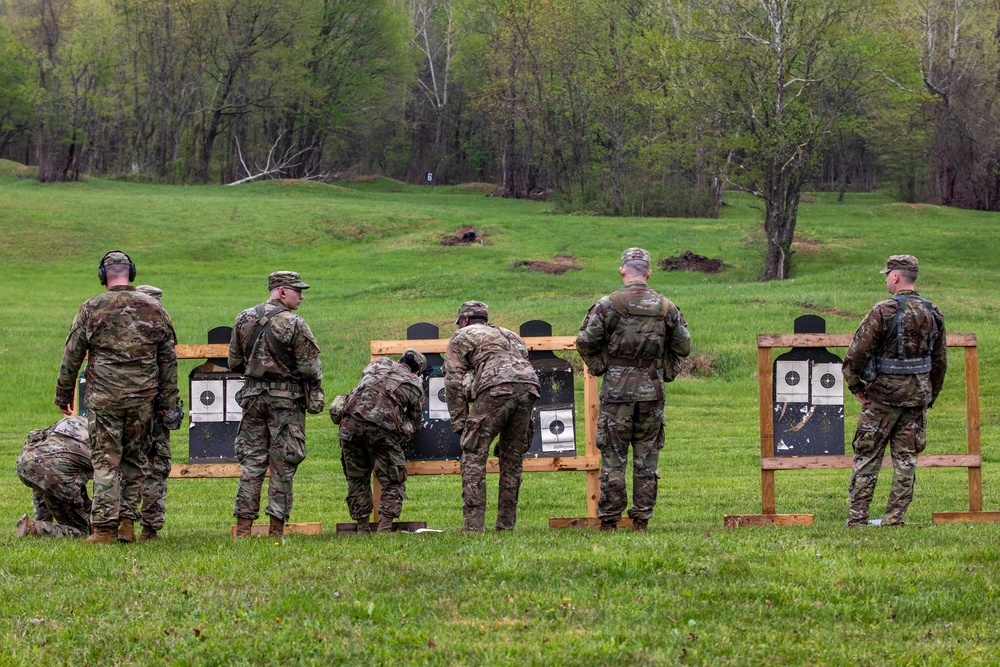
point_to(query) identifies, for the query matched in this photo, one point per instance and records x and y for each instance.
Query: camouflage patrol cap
(285, 279)
(116, 257)
(154, 292)
(418, 358)
(901, 263)
(472, 309)
(635, 255)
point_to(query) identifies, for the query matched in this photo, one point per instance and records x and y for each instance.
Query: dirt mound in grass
(559, 265)
(466, 236)
(691, 262)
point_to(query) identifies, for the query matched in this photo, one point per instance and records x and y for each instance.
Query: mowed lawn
(687, 592)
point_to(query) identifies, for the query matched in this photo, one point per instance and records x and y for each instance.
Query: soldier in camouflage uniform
(488, 366)
(55, 464)
(895, 366)
(154, 488)
(379, 417)
(129, 341)
(633, 338)
(274, 349)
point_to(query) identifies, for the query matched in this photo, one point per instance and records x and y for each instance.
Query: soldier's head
(900, 272)
(635, 265)
(149, 290)
(116, 268)
(286, 287)
(415, 360)
(472, 312)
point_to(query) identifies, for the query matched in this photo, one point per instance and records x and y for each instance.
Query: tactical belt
(650, 365)
(277, 386)
(899, 365)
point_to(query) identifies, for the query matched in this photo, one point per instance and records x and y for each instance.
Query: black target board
(214, 415)
(435, 441)
(808, 398)
(554, 414)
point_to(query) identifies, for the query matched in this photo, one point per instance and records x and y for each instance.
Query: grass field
(687, 592)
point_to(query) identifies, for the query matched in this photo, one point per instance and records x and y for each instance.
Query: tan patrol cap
(285, 279)
(635, 255)
(901, 263)
(472, 309)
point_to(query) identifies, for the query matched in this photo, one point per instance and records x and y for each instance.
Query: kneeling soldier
(55, 464)
(376, 420)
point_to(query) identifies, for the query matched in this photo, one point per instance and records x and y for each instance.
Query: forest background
(621, 107)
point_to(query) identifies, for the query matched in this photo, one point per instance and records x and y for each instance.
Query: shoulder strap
(263, 327)
(901, 299)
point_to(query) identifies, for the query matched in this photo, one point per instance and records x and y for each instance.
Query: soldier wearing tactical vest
(376, 419)
(895, 366)
(634, 338)
(488, 366)
(275, 351)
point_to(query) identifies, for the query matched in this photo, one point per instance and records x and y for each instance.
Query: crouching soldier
(55, 464)
(376, 419)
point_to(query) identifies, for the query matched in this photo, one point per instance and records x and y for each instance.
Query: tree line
(619, 107)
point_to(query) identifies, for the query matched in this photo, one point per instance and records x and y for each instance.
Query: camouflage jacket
(63, 450)
(268, 365)
(389, 396)
(641, 338)
(129, 342)
(489, 355)
(877, 336)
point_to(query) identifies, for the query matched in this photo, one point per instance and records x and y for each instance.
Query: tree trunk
(780, 215)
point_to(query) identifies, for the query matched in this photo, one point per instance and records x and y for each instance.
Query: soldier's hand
(863, 397)
(67, 409)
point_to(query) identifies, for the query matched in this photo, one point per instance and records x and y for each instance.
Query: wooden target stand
(590, 462)
(218, 470)
(769, 463)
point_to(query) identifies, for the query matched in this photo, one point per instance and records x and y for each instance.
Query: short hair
(477, 318)
(906, 276)
(636, 267)
(116, 270)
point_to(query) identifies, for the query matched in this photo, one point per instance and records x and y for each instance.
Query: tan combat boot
(384, 524)
(608, 526)
(126, 531)
(147, 534)
(364, 526)
(243, 527)
(640, 525)
(277, 528)
(101, 535)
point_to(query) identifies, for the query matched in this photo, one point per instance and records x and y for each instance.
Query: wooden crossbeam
(841, 340)
(260, 529)
(205, 470)
(964, 517)
(397, 527)
(586, 522)
(493, 465)
(827, 462)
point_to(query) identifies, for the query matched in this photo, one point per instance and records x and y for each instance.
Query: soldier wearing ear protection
(129, 342)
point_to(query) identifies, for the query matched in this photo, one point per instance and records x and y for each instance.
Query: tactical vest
(621, 308)
(900, 365)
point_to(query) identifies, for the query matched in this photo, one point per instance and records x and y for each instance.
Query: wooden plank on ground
(204, 470)
(964, 517)
(260, 529)
(397, 527)
(833, 461)
(738, 520)
(841, 340)
(586, 522)
(493, 465)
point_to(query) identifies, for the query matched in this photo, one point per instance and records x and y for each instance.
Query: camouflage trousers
(618, 425)
(903, 429)
(154, 488)
(367, 448)
(272, 435)
(505, 410)
(118, 441)
(61, 505)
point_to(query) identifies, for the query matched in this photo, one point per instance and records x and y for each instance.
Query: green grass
(688, 592)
